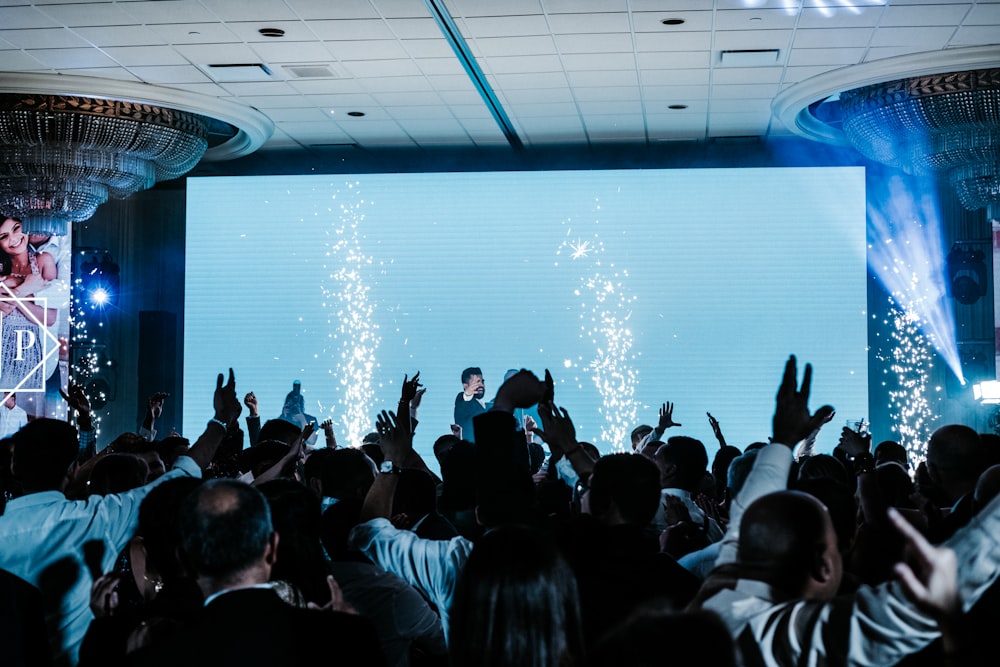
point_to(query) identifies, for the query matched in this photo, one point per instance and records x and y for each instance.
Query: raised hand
(410, 388)
(557, 429)
(76, 398)
(250, 400)
(716, 429)
(521, 390)
(853, 443)
(394, 436)
(155, 404)
(666, 418)
(792, 420)
(227, 406)
(337, 601)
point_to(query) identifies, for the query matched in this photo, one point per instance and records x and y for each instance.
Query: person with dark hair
(23, 634)
(469, 402)
(890, 450)
(414, 506)
(336, 475)
(683, 462)
(956, 457)
(513, 611)
(229, 542)
(117, 472)
(61, 545)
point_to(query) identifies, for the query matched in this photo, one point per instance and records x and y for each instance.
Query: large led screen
(633, 287)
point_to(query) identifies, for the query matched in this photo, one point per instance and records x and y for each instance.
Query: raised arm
(227, 410)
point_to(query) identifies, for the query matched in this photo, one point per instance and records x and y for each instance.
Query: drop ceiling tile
(607, 94)
(833, 38)
(471, 112)
(89, 14)
(754, 19)
(858, 17)
(746, 92)
(375, 49)
(808, 57)
(542, 110)
(982, 14)
(564, 125)
(683, 94)
(460, 98)
(662, 107)
(440, 67)
(537, 95)
(263, 10)
(657, 5)
(72, 58)
(589, 61)
(608, 78)
(612, 43)
(292, 52)
(652, 21)
(924, 15)
(675, 60)
(550, 80)
(340, 9)
(929, 38)
(482, 128)
(132, 56)
(419, 112)
(577, 24)
(21, 17)
(362, 127)
(974, 35)
(258, 88)
(195, 33)
(878, 53)
(315, 133)
(303, 115)
(132, 35)
(295, 31)
(727, 75)
(204, 54)
(43, 38)
(513, 46)
(428, 48)
(344, 101)
(265, 102)
(674, 77)
(505, 26)
(170, 12)
(210, 89)
(396, 84)
(352, 30)
(737, 124)
(522, 64)
(623, 107)
(415, 28)
(751, 106)
(19, 61)
(403, 99)
(451, 83)
(682, 41)
(171, 74)
(491, 7)
(796, 74)
(588, 6)
(745, 39)
(325, 86)
(363, 69)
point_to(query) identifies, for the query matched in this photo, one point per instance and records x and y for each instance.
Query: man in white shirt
(12, 417)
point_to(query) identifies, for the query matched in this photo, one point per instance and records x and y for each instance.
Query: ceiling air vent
(233, 72)
(311, 71)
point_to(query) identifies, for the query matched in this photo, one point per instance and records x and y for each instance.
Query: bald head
(787, 540)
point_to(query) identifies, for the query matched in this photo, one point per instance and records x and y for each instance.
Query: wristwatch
(388, 467)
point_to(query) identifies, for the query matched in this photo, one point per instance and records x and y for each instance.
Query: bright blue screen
(633, 287)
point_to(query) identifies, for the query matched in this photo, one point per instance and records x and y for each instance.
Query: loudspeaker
(157, 367)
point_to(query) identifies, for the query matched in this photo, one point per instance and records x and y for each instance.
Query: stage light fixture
(967, 274)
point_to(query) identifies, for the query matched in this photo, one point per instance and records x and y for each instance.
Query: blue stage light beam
(905, 252)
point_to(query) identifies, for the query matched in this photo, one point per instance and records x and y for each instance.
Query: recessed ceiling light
(672, 21)
(678, 106)
(356, 114)
(272, 32)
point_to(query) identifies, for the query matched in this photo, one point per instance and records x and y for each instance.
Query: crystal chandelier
(63, 154)
(926, 113)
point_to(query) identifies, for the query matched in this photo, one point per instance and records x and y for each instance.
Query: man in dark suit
(229, 543)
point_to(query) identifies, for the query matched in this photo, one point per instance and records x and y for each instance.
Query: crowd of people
(266, 545)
